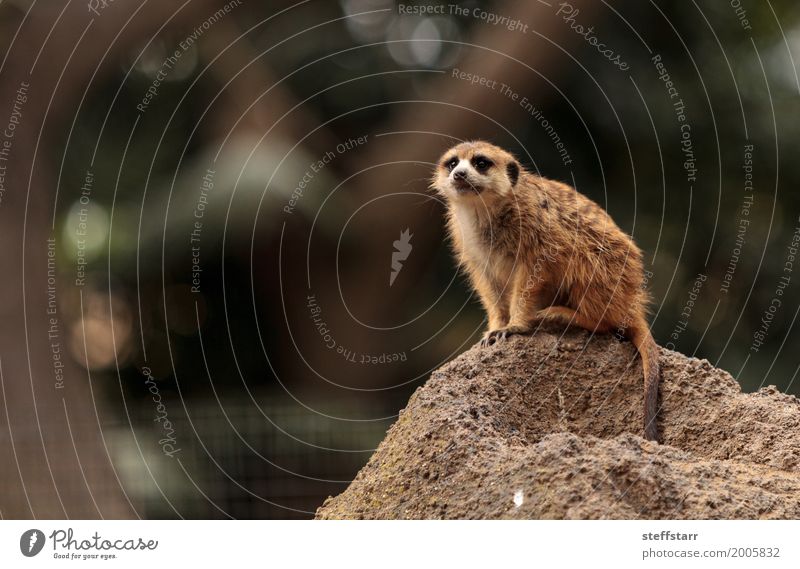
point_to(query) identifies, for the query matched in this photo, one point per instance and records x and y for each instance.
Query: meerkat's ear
(512, 169)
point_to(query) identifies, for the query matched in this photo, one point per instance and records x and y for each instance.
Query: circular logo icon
(31, 542)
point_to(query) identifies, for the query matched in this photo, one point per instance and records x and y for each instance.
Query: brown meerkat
(537, 249)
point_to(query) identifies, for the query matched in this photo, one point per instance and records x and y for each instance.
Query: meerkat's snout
(464, 179)
(459, 174)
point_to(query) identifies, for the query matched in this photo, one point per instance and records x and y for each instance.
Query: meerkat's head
(476, 171)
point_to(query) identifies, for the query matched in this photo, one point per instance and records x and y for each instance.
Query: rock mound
(547, 427)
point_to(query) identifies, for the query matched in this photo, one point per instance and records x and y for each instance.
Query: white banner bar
(231, 544)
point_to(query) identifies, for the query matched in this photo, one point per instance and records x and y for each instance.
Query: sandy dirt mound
(547, 427)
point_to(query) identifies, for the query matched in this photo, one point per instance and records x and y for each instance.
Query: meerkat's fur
(537, 249)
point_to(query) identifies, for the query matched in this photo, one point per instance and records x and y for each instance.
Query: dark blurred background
(199, 205)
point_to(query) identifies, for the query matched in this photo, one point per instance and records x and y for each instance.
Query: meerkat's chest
(482, 250)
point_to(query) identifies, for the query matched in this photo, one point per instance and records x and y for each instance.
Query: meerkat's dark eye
(452, 163)
(481, 163)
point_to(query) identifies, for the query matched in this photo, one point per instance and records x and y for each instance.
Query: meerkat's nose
(460, 174)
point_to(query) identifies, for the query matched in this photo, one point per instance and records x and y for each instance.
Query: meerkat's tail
(648, 349)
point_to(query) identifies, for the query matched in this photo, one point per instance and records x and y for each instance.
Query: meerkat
(536, 249)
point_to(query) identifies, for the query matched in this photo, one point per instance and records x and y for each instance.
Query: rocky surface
(548, 427)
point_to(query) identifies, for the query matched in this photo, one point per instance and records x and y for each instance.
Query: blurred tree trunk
(522, 61)
(55, 463)
(458, 111)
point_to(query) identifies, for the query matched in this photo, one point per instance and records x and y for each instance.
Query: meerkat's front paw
(488, 338)
(497, 336)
